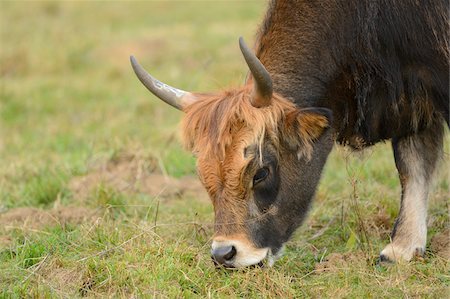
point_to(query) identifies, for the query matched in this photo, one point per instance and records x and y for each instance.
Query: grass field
(99, 199)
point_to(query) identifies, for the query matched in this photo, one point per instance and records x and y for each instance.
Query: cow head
(258, 156)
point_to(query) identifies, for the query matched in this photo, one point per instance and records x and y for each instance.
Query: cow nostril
(222, 255)
(230, 254)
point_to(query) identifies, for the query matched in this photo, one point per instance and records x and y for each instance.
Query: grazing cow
(356, 72)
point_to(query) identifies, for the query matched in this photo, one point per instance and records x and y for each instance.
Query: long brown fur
(211, 123)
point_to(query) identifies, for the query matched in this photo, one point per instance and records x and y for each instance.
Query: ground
(99, 199)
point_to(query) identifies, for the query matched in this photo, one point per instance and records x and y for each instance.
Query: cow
(352, 72)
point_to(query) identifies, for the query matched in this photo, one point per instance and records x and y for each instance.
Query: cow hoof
(395, 253)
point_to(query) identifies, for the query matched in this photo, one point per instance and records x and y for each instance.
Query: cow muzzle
(237, 252)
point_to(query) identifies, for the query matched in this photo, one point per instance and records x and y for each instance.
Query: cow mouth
(267, 261)
(260, 265)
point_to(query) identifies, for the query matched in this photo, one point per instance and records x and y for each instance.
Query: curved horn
(262, 90)
(174, 97)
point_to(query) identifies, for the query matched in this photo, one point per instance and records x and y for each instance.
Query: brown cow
(380, 68)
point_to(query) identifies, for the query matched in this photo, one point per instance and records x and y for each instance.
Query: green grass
(78, 135)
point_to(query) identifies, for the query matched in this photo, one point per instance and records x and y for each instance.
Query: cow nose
(222, 255)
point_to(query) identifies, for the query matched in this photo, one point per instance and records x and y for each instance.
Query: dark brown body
(382, 67)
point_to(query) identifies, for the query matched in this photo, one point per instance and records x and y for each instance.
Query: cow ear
(313, 122)
(307, 125)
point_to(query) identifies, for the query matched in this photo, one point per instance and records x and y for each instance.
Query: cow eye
(260, 175)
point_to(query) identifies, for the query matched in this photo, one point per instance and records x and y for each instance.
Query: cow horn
(262, 90)
(174, 97)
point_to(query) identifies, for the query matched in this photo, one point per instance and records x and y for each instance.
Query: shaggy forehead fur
(212, 123)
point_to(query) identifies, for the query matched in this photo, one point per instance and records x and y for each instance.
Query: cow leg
(416, 157)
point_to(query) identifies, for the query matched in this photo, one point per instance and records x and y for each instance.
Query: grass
(94, 196)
